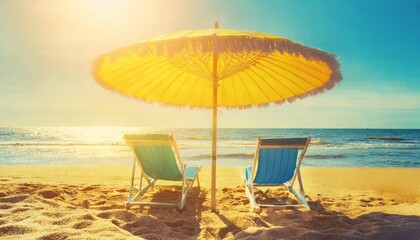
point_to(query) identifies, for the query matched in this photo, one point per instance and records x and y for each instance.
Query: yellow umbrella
(214, 68)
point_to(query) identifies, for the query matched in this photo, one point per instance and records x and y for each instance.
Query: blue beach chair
(276, 164)
(158, 158)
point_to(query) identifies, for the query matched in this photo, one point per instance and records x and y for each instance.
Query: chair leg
(186, 185)
(184, 190)
(198, 181)
(301, 195)
(130, 192)
(249, 190)
(144, 190)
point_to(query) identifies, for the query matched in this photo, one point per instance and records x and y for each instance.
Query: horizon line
(107, 126)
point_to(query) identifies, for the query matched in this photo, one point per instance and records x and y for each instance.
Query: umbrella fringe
(196, 45)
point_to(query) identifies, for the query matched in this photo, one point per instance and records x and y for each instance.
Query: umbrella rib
(136, 79)
(147, 83)
(193, 66)
(229, 61)
(130, 81)
(259, 87)
(203, 65)
(247, 90)
(274, 78)
(129, 76)
(300, 62)
(312, 67)
(181, 86)
(167, 78)
(299, 76)
(245, 62)
(270, 85)
(128, 67)
(232, 81)
(291, 72)
(204, 87)
(192, 90)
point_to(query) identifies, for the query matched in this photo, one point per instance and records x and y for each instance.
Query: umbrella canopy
(214, 68)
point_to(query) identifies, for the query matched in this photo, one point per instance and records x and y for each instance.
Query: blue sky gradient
(46, 50)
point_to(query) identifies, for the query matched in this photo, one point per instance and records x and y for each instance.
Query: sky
(47, 48)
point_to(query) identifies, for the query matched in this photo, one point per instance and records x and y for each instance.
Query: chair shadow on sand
(155, 220)
(236, 220)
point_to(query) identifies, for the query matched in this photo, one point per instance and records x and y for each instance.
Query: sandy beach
(75, 202)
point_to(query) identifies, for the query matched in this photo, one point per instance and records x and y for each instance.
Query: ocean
(236, 147)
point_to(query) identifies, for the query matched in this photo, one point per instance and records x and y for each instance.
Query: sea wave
(367, 145)
(220, 144)
(192, 138)
(225, 155)
(55, 144)
(395, 139)
(323, 156)
(318, 142)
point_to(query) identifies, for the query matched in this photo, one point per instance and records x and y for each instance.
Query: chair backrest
(156, 154)
(276, 160)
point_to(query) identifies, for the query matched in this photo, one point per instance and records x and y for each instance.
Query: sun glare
(106, 8)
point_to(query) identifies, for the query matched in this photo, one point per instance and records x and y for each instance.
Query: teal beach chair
(158, 158)
(277, 163)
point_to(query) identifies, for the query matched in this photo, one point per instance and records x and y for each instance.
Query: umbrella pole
(214, 130)
(214, 136)
(213, 154)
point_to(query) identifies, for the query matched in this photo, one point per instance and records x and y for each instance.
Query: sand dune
(38, 208)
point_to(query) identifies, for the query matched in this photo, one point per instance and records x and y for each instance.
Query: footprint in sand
(53, 214)
(342, 204)
(67, 219)
(70, 192)
(5, 206)
(99, 203)
(88, 217)
(145, 225)
(121, 190)
(90, 188)
(25, 189)
(14, 230)
(122, 215)
(183, 226)
(82, 224)
(62, 221)
(372, 202)
(57, 235)
(109, 207)
(49, 194)
(14, 199)
(20, 209)
(85, 204)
